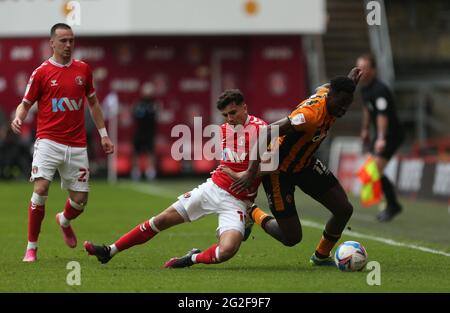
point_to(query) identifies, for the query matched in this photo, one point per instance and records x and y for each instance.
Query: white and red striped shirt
(236, 154)
(60, 91)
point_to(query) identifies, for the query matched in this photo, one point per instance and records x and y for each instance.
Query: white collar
(233, 127)
(52, 61)
(247, 120)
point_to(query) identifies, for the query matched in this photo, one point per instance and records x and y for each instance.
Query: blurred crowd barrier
(188, 74)
(424, 173)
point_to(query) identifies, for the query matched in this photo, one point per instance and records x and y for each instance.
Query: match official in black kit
(381, 133)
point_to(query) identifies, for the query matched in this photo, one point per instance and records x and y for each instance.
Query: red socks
(72, 209)
(35, 216)
(208, 256)
(138, 235)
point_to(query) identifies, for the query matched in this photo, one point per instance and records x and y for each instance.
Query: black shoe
(388, 214)
(249, 222)
(184, 261)
(101, 252)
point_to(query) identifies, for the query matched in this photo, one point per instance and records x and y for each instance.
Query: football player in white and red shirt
(235, 152)
(213, 196)
(60, 86)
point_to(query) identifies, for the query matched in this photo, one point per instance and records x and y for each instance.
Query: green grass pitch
(261, 265)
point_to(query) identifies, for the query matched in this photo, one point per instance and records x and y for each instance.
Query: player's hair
(58, 26)
(230, 96)
(369, 57)
(342, 83)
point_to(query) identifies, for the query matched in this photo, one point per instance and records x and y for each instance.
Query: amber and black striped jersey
(311, 121)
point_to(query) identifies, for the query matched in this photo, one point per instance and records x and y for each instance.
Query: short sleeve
(90, 90)
(302, 118)
(33, 90)
(382, 101)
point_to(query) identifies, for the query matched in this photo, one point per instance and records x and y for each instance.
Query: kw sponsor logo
(62, 103)
(233, 156)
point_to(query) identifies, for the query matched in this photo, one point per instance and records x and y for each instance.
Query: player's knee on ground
(227, 251)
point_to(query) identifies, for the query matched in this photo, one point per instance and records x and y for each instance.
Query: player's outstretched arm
(97, 116)
(247, 177)
(21, 114)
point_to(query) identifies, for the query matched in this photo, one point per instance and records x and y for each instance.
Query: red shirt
(236, 154)
(60, 91)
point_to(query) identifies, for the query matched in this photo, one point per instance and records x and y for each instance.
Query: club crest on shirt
(241, 141)
(79, 80)
(187, 195)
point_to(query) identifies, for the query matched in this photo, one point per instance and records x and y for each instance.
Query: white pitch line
(157, 191)
(387, 241)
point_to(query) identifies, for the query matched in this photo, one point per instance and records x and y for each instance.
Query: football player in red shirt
(60, 86)
(213, 196)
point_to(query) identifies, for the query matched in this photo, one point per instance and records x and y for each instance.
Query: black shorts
(143, 144)
(314, 180)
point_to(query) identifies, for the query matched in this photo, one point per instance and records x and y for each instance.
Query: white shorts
(71, 162)
(209, 198)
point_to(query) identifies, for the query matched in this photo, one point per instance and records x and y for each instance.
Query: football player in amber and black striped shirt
(300, 135)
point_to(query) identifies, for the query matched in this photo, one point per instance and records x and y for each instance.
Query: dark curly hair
(230, 96)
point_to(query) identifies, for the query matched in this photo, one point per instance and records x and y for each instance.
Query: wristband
(103, 132)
